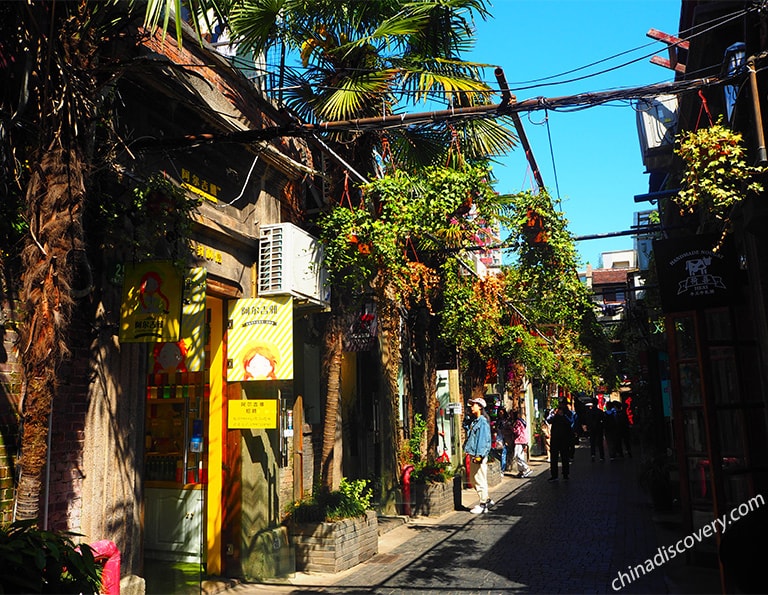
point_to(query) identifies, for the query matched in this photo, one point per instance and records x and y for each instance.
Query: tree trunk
(391, 360)
(331, 380)
(54, 210)
(475, 377)
(429, 378)
(425, 333)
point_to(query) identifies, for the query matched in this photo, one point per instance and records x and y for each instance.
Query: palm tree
(50, 64)
(54, 64)
(364, 59)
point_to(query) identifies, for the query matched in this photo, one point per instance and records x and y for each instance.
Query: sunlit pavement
(572, 536)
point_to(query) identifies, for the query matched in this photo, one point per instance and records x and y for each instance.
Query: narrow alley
(576, 536)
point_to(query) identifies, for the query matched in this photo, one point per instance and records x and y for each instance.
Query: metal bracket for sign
(453, 409)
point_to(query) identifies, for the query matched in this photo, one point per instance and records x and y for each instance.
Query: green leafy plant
(154, 219)
(432, 472)
(352, 499)
(716, 175)
(415, 442)
(37, 561)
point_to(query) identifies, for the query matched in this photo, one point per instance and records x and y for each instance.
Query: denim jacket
(478, 443)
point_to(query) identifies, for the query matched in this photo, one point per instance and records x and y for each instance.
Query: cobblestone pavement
(572, 536)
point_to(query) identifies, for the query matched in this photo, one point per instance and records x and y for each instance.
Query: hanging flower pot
(534, 228)
(465, 206)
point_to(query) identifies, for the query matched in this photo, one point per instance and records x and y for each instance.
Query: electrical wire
(245, 185)
(552, 157)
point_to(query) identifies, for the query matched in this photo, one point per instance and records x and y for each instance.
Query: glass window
(685, 337)
(718, 325)
(699, 477)
(694, 430)
(731, 427)
(725, 386)
(690, 383)
(749, 375)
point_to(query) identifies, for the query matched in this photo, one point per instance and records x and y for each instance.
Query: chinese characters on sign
(260, 339)
(151, 308)
(252, 414)
(692, 274)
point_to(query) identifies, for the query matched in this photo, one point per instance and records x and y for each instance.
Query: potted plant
(432, 489)
(334, 530)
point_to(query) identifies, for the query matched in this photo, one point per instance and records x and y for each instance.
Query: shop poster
(188, 353)
(260, 339)
(151, 308)
(252, 414)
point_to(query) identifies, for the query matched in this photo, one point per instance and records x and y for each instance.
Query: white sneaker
(489, 503)
(478, 509)
(528, 473)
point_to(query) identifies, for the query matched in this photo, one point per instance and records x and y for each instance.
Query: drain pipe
(762, 157)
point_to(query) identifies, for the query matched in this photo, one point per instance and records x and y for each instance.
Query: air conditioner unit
(656, 128)
(291, 263)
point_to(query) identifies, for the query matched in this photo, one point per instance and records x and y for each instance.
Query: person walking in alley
(622, 429)
(477, 447)
(561, 440)
(501, 435)
(520, 441)
(546, 431)
(612, 430)
(595, 422)
(573, 419)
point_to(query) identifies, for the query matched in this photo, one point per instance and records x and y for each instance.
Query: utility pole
(507, 99)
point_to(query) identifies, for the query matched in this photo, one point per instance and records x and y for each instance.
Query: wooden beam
(668, 39)
(659, 61)
(674, 44)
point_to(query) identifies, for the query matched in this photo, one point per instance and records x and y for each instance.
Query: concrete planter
(495, 473)
(432, 498)
(335, 546)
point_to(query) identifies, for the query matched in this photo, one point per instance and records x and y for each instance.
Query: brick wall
(10, 398)
(70, 407)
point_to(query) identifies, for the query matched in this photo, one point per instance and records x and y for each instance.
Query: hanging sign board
(260, 339)
(252, 414)
(188, 353)
(151, 307)
(692, 274)
(362, 329)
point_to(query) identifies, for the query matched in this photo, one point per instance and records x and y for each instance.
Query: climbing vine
(152, 219)
(404, 223)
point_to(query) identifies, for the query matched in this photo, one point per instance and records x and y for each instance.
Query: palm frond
(351, 95)
(486, 137)
(255, 23)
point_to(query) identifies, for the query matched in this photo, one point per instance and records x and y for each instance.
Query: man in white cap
(478, 447)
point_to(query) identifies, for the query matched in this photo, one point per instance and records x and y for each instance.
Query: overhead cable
(377, 123)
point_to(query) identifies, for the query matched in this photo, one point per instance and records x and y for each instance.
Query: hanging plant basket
(534, 228)
(716, 176)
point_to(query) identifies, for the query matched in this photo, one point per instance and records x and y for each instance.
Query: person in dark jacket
(612, 430)
(595, 422)
(561, 439)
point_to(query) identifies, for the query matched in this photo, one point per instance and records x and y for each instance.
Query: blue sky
(598, 167)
